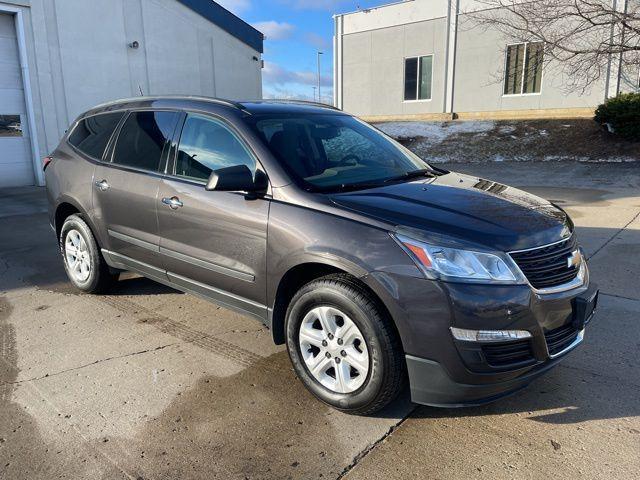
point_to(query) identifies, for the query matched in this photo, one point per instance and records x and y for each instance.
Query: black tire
(100, 278)
(386, 377)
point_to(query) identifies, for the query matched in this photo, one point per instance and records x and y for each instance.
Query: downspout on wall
(337, 60)
(450, 54)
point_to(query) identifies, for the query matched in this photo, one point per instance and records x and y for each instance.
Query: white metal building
(61, 57)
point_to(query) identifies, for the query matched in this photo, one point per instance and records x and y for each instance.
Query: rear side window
(142, 139)
(92, 134)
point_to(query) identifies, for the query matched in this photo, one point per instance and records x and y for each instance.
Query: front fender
(299, 236)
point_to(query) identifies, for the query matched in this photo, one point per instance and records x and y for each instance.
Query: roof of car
(185, 101)
(287, 106)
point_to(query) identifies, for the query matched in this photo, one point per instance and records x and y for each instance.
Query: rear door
(213, 242)
(126, 189)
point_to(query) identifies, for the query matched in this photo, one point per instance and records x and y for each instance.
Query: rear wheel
(82, 258)
(343, 347)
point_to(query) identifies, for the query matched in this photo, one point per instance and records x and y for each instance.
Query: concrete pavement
(151, 383)
(582, 421)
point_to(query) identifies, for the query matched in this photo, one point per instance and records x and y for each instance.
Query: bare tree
(586, 39)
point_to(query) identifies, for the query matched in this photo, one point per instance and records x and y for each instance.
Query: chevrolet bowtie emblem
(574, 259)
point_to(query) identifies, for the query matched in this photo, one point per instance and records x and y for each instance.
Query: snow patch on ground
(506, 129)
(434, 132)
(503, 141)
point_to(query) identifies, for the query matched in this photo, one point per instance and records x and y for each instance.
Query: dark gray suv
(374, 267)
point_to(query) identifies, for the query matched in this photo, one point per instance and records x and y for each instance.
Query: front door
(213, 243)
(126, 189)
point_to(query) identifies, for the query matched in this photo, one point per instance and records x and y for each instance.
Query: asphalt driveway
(150, 383)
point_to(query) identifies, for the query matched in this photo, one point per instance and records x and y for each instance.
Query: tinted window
(328, 151)
(410, 78)
(533, 68)
(417, 78)
(92, 134)
(206, 145)
(142, 138)
(523, 72)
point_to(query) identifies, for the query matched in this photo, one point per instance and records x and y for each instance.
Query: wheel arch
(66, 207)
(302, 273)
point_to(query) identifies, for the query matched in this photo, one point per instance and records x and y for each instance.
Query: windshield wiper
(348, 187)
(424, 172)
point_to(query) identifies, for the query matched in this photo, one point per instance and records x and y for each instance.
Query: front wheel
(343, 347)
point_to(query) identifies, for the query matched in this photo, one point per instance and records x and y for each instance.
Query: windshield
(328, 152)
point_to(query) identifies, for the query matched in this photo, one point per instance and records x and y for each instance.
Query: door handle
(103, 185)
(173, 202)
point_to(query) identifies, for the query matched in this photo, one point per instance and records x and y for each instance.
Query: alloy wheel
(77, 256)
(333, 349)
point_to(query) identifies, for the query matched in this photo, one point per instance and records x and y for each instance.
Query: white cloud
(297, 93)
(318, 41)
(330, 5)
(275, 30)
(274, 74)
(286, 94)
(280, 82)
(235, 6)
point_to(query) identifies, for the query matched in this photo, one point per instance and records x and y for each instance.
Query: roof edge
(367, 10)
(227, 21)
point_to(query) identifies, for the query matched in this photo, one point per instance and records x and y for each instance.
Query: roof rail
(224, 101)
(220, 101)
(295, 101)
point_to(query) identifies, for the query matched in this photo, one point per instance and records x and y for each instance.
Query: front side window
(206, 145)
(523, 69)
(328, 152)
(92, 134)
(142, 139)
(418, 72)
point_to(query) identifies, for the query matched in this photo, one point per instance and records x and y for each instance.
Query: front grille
(560, 338)
(508, 354)
(547, 267)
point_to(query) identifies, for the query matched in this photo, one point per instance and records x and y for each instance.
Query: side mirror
(236, 179)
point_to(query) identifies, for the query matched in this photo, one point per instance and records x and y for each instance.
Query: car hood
(462, 208)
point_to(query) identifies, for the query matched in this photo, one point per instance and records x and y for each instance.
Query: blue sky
(295, 31)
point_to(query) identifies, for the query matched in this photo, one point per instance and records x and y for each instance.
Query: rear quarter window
(92, 134)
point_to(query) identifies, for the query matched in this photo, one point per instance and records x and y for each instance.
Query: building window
(10, 126)
(417, 77)
(523, 68)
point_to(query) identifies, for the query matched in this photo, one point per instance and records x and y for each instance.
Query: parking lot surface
(151, 383)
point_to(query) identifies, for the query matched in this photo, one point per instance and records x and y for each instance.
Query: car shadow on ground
(131, 284)
(560, 398)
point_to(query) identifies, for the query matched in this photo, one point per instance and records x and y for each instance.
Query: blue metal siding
(227, 21)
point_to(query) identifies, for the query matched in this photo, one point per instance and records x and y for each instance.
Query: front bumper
(431, 385)
(446, 372)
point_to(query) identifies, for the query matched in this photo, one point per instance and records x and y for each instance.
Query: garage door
(16, 167)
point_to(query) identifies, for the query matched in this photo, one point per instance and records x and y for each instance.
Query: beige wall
(373, 68)
(630, 79)
(479, 70)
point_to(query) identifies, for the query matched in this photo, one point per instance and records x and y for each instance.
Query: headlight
(460, 265)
